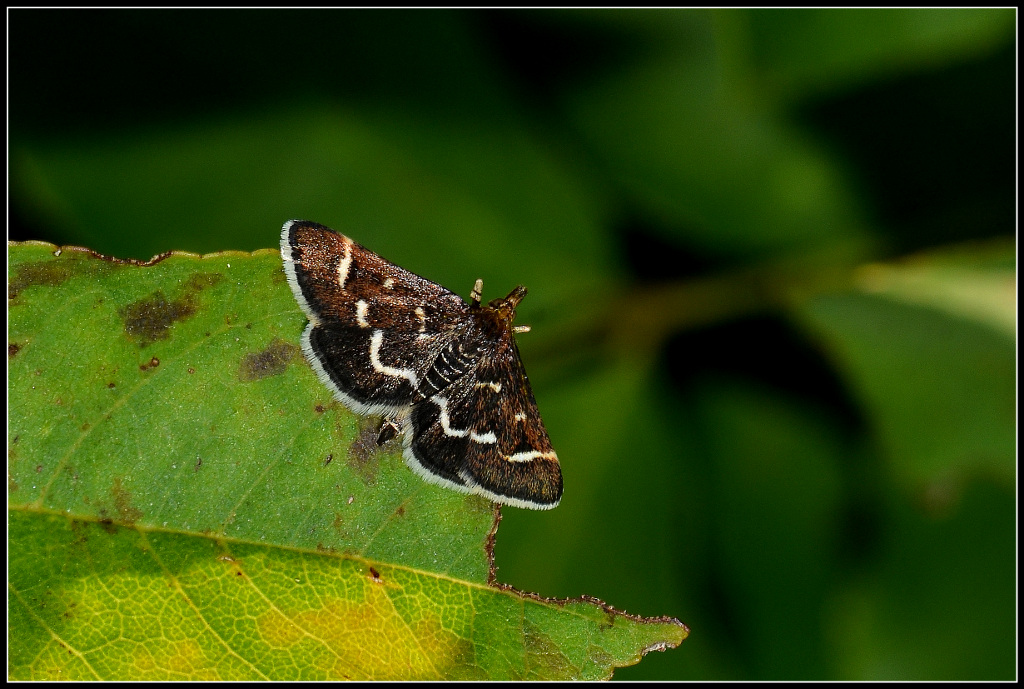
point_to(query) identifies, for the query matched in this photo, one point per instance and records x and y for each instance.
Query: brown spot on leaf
(111, 386)
(272, 361)
(375, 575)
(197, 282)
(149, 319)
(152, 363)
(72, 260)
(12, 450)
(108, 525)
(49, 273)
(127, 512)
(12, 349)
(363, 454)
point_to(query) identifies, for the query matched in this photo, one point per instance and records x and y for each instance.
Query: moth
(445, 374)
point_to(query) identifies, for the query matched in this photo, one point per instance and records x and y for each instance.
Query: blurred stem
(635, 323)
(645, 317)
(975, 281)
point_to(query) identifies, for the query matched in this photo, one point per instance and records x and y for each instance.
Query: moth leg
(389, 428)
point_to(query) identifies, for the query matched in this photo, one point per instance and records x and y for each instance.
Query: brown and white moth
(444, 372)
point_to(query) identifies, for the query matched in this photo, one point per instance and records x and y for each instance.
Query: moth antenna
(477, 293)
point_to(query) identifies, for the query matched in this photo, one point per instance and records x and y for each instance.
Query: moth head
(504, 309)
(510, 302)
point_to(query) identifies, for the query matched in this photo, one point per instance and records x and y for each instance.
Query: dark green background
(755, 464)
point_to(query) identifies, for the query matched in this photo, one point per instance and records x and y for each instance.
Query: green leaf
(807, 50)
(939, 603)
(188, 502)
(929, 346)
(693, 143)
(976, 283)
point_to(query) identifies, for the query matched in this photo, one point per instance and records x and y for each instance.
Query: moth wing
(484, 435)
(373, 326)
(330, 274)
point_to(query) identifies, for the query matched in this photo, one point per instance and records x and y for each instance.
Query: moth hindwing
(447, 373)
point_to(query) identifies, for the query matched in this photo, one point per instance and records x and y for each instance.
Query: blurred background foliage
(771, 256)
